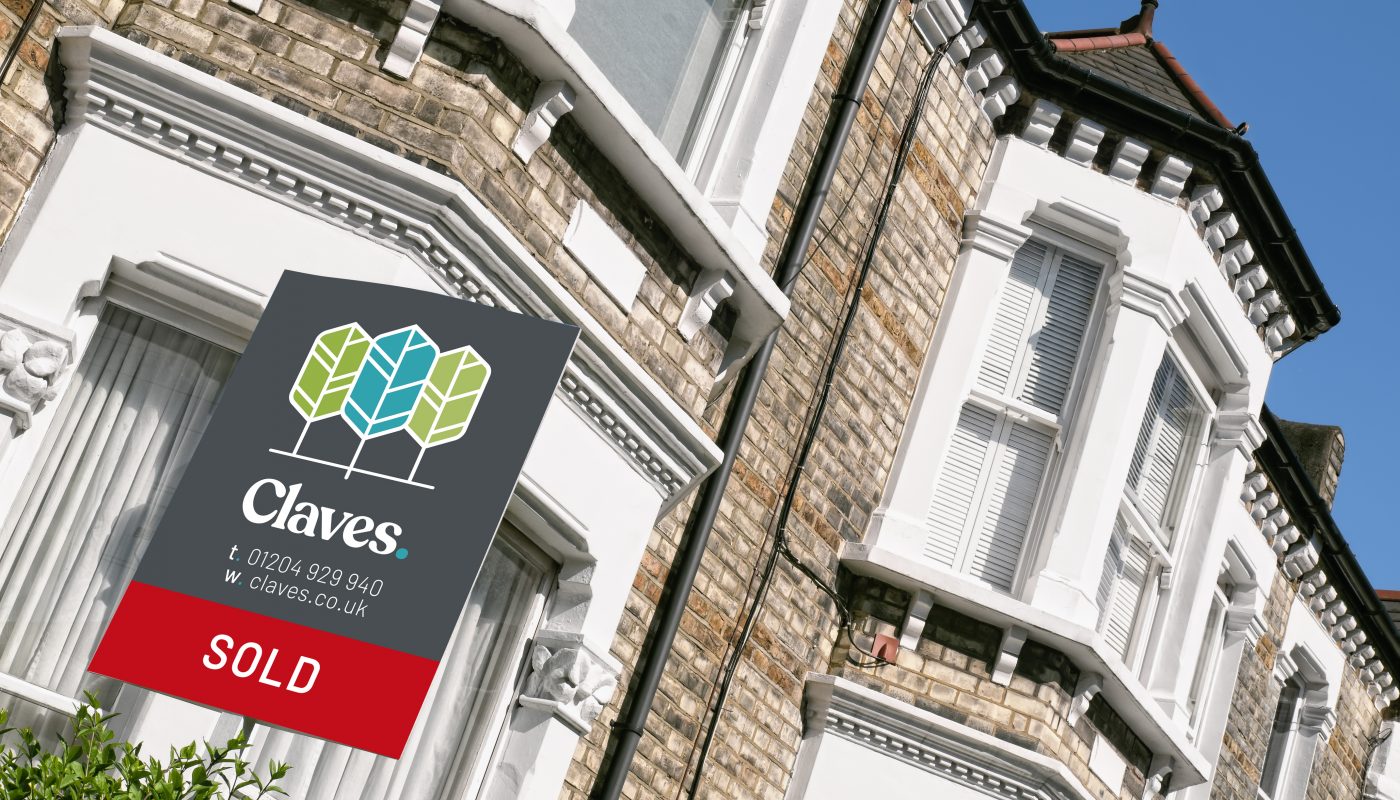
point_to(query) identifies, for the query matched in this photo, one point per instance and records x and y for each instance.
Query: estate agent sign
(321, 545)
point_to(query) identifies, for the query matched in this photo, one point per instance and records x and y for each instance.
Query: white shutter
(1163, 441)
(1011, 325)
(1129, 561)
(955, 494)
(1054, 348)
(1149, 421)
(1015, 480)
(984, 498)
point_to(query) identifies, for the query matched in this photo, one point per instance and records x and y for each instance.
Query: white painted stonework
(184, 198)
(603, 255)
(861, 743)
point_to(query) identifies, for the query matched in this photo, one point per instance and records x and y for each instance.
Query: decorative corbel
(34, 357)
(1009, 654)
(984, 64)
(1278, 330)
(1127, 160)
(1040, 123)
(920, 603)
(1088, 687)
(570, 679)
(1219, 229)
(1084, 140)
(1001, 94)
(711, 288)
(1205, 200)
(1170, 178)
(412, 35)
(1301, 559)
(1237, 253)
(1250, 281)
(553, 99)
(1157, 771)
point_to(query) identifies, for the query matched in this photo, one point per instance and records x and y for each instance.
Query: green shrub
(92, 765)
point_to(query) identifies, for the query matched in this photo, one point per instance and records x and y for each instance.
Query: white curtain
(455, 729)
(124, 432)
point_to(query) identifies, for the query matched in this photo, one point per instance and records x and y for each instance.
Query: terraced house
(914, 445)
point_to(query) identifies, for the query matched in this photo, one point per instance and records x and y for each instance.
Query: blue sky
(1316, 100)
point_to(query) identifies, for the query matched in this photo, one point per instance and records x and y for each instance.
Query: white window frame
(1010, 410)
(1164, 542)
(1201, 691)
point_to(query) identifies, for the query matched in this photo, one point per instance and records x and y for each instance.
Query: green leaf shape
(331, 366)
(449, 398)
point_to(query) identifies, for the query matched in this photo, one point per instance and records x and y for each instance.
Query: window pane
(1206, 662)
(129, 422)
(662, 55)
(1279, 737)
(453, 735)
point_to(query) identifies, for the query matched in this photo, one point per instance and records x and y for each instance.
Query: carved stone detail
(569, 679)
(33, 360)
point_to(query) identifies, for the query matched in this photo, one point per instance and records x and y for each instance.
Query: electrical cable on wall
(780, 543)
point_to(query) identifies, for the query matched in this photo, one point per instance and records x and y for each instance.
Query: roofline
(1310, 512)
(1388, 594)
(1034, 62)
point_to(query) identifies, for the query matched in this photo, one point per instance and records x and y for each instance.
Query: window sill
(534, 34)
(1085, 647)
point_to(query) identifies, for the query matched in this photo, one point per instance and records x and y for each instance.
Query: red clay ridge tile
(1189, 84)
(1107, 42)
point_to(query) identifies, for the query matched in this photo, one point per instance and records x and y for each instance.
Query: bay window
(1011, 424)
(124, 431)
(673, 60)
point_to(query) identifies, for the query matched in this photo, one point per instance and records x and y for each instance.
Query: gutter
(1235, 162)
(1310, 512)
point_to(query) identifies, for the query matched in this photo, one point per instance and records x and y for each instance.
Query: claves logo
(397, 381)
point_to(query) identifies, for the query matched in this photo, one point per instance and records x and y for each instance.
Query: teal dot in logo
(401, 554)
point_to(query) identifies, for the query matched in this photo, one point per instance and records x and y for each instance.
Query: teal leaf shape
(382, 398)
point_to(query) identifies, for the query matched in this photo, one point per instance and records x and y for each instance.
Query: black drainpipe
(657, 649)
(20, 38)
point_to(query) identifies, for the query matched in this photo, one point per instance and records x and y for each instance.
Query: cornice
(158, 103)
(993, 236)
(838, 707)
(1144, 295)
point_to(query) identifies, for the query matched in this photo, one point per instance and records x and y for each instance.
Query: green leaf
(450, 397)
(330, 368)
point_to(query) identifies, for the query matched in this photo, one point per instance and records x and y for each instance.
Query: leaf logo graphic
(324, 381)
(449, 398)
(394, 381)
(388, 385)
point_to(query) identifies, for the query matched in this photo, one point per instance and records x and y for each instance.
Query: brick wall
(28, 91)
(950, 674)
(757, 740)
(1338, 768)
